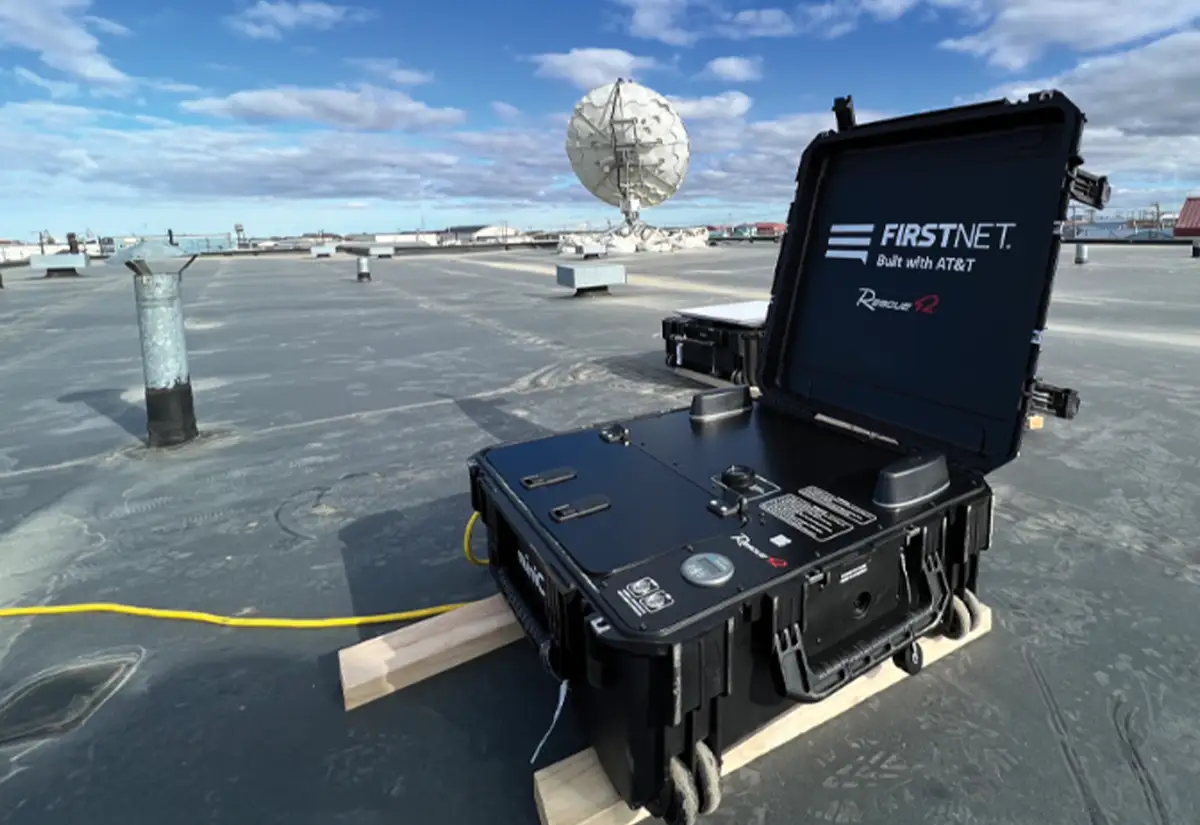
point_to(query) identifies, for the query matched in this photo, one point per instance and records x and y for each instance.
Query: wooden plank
(377, 667)
(576, 791)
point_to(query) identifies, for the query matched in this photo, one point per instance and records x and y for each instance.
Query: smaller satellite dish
(628, 146)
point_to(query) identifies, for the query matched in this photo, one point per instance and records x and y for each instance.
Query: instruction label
(808, 517)
(645, 596)
(851, 512)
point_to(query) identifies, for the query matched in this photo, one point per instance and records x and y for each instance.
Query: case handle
(803, 683)
(541, 638)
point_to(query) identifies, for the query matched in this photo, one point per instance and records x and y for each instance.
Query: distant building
(494, 233)
(758, 230)
(412, 237)
(1187, 225)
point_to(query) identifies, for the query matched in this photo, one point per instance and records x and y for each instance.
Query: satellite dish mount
(626, 143)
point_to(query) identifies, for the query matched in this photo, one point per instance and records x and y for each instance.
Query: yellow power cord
(249, 621)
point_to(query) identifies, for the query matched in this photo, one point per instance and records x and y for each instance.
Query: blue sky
(131, 116)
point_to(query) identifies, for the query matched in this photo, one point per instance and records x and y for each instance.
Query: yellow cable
(251, 621)
(471, 557)
(225, 621)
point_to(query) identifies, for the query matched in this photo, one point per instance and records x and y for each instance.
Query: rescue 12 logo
(857, 242)
(868, 299)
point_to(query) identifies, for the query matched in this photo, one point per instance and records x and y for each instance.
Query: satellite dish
(628, 146)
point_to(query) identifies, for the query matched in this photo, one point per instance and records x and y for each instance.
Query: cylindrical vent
(170, 410)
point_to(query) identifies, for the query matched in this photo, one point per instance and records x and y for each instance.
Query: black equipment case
(693, 574)
(720, 348)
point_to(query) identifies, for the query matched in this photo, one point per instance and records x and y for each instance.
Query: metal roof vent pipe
(170, 407)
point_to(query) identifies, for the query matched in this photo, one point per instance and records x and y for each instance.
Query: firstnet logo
(978, 236)
(853, 241)
(850, 240)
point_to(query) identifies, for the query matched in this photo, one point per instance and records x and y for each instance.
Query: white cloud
(725, 106)
(56, 31)
(755, 162)
(684, 22)
(367, 108)
(750, 23)
(1020, 31)
(55, 88)
(106, 26)
(109, 157)
(659, 20)
(1143, 113)
(735, 69)
(1013, 34)
(505, 111)
(589, 68)
(1148, 91)
(172, 87)
(267, 20)
(835, 18)
(102, 156)
(1144, 131)
(390, 70)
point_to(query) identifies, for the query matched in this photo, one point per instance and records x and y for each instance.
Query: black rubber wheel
(708, 779)
(685, 798)
(670, 360)
(957, 622)
(911, 659)
(737, 377)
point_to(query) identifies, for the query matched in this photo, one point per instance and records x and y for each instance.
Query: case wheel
(684, 808)
(708, 779)
(958, 621)
(671, 360)
(737, 377)
(911, 659)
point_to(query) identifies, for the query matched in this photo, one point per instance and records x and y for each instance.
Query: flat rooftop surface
(331, 480)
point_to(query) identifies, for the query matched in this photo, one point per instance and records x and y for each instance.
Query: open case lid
(915, 276)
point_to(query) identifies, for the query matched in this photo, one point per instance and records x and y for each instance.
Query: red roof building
(1187, 225)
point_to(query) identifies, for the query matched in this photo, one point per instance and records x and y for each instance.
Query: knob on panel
(736, 476)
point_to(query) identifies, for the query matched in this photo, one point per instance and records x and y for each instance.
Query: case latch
(547, 478)
(586, 506)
